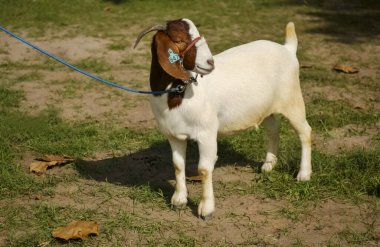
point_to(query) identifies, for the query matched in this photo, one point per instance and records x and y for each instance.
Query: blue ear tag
(173, 57)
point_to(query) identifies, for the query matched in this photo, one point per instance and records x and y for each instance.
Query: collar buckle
(191, 80)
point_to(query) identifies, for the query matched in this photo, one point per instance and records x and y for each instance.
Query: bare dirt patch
(355, 96)
(243, 219)
(347, 138)
(75, 96)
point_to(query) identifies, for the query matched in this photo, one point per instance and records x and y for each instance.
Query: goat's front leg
(207, 158)
(179, 198)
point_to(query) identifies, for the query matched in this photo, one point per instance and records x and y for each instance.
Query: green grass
(117, 46)
(340, 114)
(50, 217)
(42, 15)
(9, 99)
(332, 177)
(95, 65)
(351, 175)
(47, 64)
(32, 76)
(48, 134)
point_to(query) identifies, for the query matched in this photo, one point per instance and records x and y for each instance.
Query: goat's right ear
(166, 49)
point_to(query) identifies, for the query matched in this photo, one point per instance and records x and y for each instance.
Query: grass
(333, 175)
(94, 65)
(47, 64)
(124, 201)
(32, 76)
(117, 46)
(48, 134)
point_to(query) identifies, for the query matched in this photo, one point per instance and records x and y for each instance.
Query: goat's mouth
(203, 71)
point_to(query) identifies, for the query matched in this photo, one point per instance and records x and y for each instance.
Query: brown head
(177, 50)
(179, 39)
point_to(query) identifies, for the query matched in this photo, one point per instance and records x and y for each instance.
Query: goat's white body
(249, 83)
(261, 81)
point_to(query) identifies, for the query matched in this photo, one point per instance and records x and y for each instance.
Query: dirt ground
(238, 218)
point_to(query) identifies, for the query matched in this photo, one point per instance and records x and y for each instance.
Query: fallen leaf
(39, 167)
(43, 163)
(76, 230)
(58, 158)
(345, 69)
(197, 178)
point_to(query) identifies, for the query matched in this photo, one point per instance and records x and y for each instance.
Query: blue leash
(171, 90)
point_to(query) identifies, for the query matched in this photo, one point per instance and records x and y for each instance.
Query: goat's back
(250, 82)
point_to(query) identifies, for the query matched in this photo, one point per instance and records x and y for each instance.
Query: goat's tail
(291, 41)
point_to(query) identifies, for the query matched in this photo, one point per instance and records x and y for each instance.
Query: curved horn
(157, 27)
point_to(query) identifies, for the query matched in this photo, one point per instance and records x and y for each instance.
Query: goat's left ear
(168, 54)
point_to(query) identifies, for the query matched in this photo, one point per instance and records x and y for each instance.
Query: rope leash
(177, 89)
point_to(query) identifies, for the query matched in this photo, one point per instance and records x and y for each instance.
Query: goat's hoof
(179, 200)
(206, 209)
(207, 217)
(303, 176)
(267, 167)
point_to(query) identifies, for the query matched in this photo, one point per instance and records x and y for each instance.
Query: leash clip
(180, 88)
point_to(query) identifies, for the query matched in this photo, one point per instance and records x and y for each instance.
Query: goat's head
(180, 40)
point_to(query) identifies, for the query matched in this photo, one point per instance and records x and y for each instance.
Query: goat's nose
(211, 62)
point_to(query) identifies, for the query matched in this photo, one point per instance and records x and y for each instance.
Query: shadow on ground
(346, 21)
(153, 166)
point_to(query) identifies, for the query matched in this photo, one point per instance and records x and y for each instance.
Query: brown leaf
(197, 178)
(39, 167)
(58, 158)
(43, 163)
(76, 230)
(345, 69)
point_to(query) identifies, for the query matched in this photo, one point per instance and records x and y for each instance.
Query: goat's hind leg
(179, 198)
(297, 118)
(272, 131)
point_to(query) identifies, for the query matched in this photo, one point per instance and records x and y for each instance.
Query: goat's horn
(161, 26)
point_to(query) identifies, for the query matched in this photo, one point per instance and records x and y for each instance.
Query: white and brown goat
(240, 88)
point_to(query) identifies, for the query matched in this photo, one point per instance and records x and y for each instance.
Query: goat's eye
(180, 44)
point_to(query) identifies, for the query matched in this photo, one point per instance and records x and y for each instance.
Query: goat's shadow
(152, 166)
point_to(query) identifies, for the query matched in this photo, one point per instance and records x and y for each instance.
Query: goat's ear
(164, 48)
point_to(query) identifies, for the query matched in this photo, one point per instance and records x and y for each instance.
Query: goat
(241, 87)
